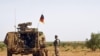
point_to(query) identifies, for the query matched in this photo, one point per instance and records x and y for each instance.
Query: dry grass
(69, 51)
(63, 52)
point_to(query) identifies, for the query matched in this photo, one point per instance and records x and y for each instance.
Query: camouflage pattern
(10, 40)
(24, 41)
(56, 45)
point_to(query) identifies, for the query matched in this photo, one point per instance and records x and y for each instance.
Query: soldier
(43, 46)
(56, 45)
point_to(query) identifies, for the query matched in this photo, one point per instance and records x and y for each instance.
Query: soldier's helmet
(56, 36)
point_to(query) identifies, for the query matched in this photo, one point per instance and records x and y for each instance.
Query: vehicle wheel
(33, 54)
(38, 53)
(9, 53)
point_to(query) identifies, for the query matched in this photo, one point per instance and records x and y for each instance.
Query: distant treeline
(71, 43)
(93, 43)
(63, 44)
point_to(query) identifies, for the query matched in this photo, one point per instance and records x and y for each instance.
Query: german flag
(42, 18)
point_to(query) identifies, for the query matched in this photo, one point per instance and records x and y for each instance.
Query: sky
(71, 20)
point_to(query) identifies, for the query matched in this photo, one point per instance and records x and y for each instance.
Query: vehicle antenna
(15, 19)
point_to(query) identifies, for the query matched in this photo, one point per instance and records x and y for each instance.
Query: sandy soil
(63, 53)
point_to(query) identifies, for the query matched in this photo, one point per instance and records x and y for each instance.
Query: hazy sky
(71, 20)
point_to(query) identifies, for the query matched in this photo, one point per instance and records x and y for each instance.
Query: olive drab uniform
(56, 46)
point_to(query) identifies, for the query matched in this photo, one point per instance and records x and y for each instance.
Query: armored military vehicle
(24, 41)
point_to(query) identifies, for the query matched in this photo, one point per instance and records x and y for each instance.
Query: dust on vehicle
(24, 41)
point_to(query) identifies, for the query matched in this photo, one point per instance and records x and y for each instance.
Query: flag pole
(40, 20)
(37, 45)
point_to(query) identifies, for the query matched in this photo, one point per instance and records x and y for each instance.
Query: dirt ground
(68, 53)
(62, 53)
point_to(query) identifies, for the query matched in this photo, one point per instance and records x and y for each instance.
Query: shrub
(2, 45)
(94, 42)
(63, 44)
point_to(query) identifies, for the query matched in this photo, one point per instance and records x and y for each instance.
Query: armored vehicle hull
(24, 41)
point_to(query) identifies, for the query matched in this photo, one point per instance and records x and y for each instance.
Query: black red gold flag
(42, 19)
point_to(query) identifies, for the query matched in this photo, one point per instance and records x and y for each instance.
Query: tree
(94, 42)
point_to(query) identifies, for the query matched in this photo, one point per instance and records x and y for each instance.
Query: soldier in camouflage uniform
(56, 45)
(43, 47)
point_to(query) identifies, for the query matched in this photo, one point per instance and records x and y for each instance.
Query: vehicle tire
(9, 53)
(38, 53)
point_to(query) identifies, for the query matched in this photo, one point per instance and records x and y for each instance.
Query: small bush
(67, 49)
(63, 44)
(2, 45)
